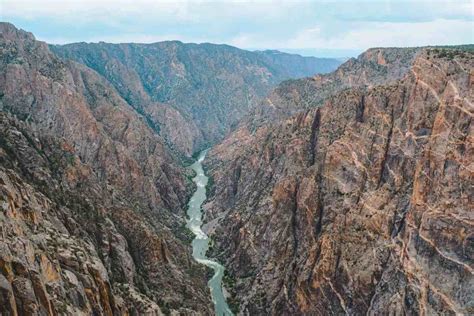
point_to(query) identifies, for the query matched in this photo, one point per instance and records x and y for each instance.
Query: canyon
(95, 188)
(327, 188)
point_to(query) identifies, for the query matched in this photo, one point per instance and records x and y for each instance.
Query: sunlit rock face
(359, 204)
(92, 199)
(193, 93)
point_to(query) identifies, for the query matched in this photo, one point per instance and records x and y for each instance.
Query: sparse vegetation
(229, 282)
(451, 52)
(185, 234)
(210, 185)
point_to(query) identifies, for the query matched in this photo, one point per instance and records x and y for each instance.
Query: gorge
(129, 171)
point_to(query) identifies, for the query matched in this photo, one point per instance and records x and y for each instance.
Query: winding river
(201, 241)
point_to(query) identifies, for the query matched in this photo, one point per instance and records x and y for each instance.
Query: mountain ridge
(210, 85)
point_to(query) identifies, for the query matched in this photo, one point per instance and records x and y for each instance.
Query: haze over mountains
(334, 188)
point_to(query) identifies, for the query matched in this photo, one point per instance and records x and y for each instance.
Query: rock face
(207, 88)
(374, 67)
(361, 205)
(92, 199)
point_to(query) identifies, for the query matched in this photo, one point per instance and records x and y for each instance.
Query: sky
(312, 28)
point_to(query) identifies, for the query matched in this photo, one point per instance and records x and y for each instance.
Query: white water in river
(201, 241)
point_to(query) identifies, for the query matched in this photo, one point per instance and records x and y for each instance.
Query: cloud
(180, 10)
(361, 35)
(70, 8)
(373, 34)
(187, 10)
(293, 25)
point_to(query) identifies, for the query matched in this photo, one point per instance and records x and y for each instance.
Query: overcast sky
(320, 28)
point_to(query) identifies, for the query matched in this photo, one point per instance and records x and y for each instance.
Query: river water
(201, 241)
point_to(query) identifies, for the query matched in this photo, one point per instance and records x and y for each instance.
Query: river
(201, 241)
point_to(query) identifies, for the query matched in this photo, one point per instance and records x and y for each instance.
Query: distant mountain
(297, 66)
(193, 93)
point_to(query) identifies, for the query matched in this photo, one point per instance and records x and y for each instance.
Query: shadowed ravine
(201, 241)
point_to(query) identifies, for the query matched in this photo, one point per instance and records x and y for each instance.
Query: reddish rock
(362, 205)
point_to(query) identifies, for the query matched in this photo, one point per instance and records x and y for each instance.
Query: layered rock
(362, 205)
(204, 86)
(92, 198)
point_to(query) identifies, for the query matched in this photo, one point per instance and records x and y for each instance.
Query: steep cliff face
(374, 67)
(362, 205)
(209, 87)
(92, 198)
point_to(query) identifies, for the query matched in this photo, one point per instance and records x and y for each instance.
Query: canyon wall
(359, 204)
(93, 200)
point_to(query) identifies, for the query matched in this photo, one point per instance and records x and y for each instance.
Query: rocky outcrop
(180, 132)
(374, 67)
(92, 198)
(204, 86)
(361, 205)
